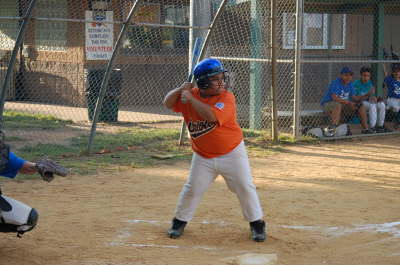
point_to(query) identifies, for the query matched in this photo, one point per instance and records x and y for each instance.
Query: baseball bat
(195, 58)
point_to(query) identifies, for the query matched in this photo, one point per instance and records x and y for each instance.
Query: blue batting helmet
(205, 69)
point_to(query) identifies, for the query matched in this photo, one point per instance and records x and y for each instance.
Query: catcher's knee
(21, 229)
(18, 217)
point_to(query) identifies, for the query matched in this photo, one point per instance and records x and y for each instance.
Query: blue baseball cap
(346, 70)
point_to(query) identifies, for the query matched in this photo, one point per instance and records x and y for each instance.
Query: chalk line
(391, 228)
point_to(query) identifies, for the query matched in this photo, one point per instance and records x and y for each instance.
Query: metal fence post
(297, 68)
(107, 74)
(192, 8)
(329, 42)
(11, 63)
(379, 39)
(274, 72)
(255, 67)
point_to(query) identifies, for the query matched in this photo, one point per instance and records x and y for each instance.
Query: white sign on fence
(99, 36)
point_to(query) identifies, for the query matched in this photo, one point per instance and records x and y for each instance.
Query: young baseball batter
(209, 111)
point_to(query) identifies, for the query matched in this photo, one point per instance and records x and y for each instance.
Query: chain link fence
(57, 76)
(349, 34)
(241, 41)
(58, 72)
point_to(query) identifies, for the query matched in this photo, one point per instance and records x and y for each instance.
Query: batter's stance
(209, 111)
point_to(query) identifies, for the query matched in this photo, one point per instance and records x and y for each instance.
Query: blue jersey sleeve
(14, 165)
(332, 89)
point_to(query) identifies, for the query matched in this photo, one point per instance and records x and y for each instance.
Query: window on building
(103, 5)
(51, 35)
(8, 28)
(176, 37)
(156, 37)
(315, 31)
(145, 36)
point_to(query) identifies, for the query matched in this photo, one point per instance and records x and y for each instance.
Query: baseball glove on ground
(47, 168)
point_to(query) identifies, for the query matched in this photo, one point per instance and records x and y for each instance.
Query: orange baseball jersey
(212, 139)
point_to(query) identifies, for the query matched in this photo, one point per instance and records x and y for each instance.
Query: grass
(23, 120)
(15, 139)
(124, 149)
(259, 143)
(128, 148)
(137, 148)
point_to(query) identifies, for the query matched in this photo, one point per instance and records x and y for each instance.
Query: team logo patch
(200, 128)
(220, 105)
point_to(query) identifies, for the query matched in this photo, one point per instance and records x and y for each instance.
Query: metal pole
(379, 40)
(256, 70)
(74, 20)
(107, 74)
(349, 61)
(207, 38)
(297, 67)
(191, 38)
(11, 63)
(204, 48)
(191, 35)
(329, 40)
(274, 72)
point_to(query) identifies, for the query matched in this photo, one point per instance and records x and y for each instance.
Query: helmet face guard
(204, 82)
(207, 68)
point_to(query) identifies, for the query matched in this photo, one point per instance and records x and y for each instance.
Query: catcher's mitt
(47, 168)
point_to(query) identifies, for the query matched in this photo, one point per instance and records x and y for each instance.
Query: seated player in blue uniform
(392, 84)
(340, 99)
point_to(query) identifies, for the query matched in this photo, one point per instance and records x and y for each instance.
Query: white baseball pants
(376, 111)
(393, 103)
(235, 169)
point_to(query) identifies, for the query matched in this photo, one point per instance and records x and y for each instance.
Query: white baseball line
(158, 223)
(114, 243)
(391, 228)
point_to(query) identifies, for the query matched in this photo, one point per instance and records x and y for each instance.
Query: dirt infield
(334, 203)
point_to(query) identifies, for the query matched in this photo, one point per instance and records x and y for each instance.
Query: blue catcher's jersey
(14, 165)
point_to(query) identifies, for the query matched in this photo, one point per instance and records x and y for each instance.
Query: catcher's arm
(28, 168)
(46, 168)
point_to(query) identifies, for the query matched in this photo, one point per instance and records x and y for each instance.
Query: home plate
(253, 259)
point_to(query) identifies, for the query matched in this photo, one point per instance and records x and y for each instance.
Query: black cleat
(367, 131)
(257, 229)
(382, 129)
(177, 228)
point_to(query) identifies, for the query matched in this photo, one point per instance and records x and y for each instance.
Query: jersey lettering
(200, 128)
